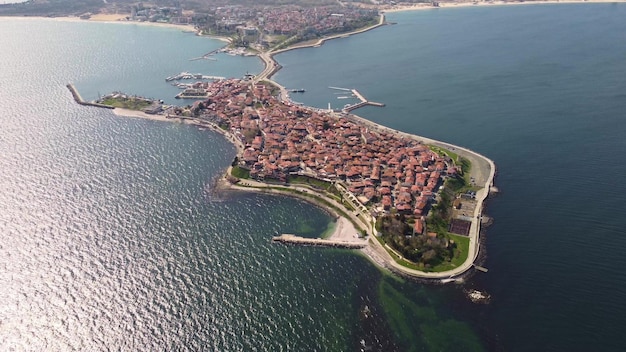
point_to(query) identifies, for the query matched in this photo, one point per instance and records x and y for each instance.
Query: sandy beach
(345, 231)
(141, 115)
(121, 19)
(115, 19)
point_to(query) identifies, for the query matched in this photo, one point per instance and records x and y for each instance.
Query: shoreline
(452, 5)
(321, 41)
(118, 20)
(344, 227)
(179, 119)
(272, 66)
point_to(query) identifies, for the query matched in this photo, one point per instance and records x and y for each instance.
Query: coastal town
(311, 174)
(256, 26)
(411, 204)
(283, 139)
(390, 186)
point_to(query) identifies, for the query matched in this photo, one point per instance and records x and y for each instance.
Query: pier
(80, 100)
(293, 239)
(363, 101)
(207, 56)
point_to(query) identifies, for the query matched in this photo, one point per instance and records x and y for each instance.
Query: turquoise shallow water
(111, 237)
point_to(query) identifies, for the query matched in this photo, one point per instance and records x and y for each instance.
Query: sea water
(539, 89)
(113, 238)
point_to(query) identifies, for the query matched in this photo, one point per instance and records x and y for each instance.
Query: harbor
(187, 75)
(362, 100)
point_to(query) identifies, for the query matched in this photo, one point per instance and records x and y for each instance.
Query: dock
(362, 100)
(206, 56)
(297, 240)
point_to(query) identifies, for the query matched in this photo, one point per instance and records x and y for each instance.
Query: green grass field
(127, 103)
(240, 172)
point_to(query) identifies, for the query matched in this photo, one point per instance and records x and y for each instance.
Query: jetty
(297, 240)
(207, 56)
(80, 100)
(362, 100)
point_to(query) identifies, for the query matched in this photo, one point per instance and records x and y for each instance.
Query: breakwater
(293, 239)
(80, 100)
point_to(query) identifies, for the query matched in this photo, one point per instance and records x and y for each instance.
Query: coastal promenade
(308, 194)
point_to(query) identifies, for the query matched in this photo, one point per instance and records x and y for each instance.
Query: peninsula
(415, 203)
(397, 190)
(410, 204)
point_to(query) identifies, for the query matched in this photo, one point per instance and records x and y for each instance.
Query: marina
(187, 75)
(355, 93)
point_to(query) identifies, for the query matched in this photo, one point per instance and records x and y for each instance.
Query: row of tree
(432, 247)
(427, 249)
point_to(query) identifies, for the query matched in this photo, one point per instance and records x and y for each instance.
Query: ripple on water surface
(117, 243)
